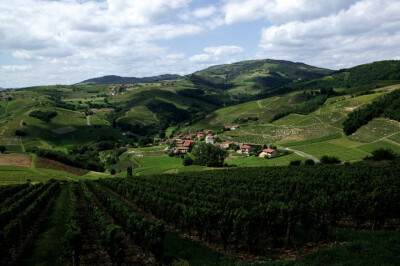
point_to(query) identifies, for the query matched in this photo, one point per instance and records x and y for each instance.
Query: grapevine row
(250, 204)
(148, 235)
(111, 235)
(12, 211)
(72, 239)
(14, 198)
(7, 191)
(16, 229)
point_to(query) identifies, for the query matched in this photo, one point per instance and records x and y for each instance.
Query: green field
(263, 109)
(19, 174)
(253, 161)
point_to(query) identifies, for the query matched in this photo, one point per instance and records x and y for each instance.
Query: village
(184, 143)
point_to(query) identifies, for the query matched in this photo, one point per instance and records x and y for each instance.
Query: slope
(112, 79)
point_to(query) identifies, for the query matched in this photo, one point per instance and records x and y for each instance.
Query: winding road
(301, 154)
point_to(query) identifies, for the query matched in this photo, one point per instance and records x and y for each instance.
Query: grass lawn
(251, 161)
(375, 130)
(370, 147)
(152, 148)
(360, 248)
(344, 153)
(45, 247)
(18, 174)
(188, 253)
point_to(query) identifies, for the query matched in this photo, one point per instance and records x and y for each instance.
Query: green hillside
(112, 79)
(321, 132)
(257, 75)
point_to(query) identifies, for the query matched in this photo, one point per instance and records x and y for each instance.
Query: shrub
(187, 161)
(295, 163)
(44, 116)
(20, 133)
(330, 160)
(382, 154)
(309, 162)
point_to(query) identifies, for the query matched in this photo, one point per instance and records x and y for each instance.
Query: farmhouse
(210, 140)
(190, 135)
(189, 143)
(226, 144)
(181, 150)
(229, 127)
(246, 149)
(268, 153)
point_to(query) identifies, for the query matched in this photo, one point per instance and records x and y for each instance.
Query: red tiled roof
(268, 150)
(246, 146)
(187, 143)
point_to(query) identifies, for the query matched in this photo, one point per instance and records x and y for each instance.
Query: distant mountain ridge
(113, 79)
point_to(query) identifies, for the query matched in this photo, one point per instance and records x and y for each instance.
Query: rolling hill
(90, 113)
(255, 76)
(112, 79)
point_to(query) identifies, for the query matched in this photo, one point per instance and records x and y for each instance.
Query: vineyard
(242, 211)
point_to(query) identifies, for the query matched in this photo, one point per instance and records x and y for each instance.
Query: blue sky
(64, 42)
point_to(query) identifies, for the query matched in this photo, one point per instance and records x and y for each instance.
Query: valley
(259, 161)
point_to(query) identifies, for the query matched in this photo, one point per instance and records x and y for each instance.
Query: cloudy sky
(64, 42)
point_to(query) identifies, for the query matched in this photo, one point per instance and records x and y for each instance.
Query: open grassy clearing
(359, 248)
(395, 138)
(16, 159)
(264, 110)
(18, 174)
(344, 153)
(377, 129)
(252, 161)
(139, 115)
(370, 147)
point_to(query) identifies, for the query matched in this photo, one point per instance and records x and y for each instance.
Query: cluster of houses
(231, 127)
(183, 143)
(5, 97)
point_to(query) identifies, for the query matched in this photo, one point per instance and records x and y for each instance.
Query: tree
(187, 161)
(112, 171)
(295, 163)
(129, 171)
(330, 160)
(209, 155)
(382, 154)
(20, 133)
(309, 162)
(2, 149)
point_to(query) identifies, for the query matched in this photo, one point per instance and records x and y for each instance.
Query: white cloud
(368, 30)
(204, 12)
(281, 11)
(14, 68)
(203, 58)
(224, 50)
(213, 54)
(75, 40)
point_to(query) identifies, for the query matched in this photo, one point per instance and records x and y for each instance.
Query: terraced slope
(320, 133)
